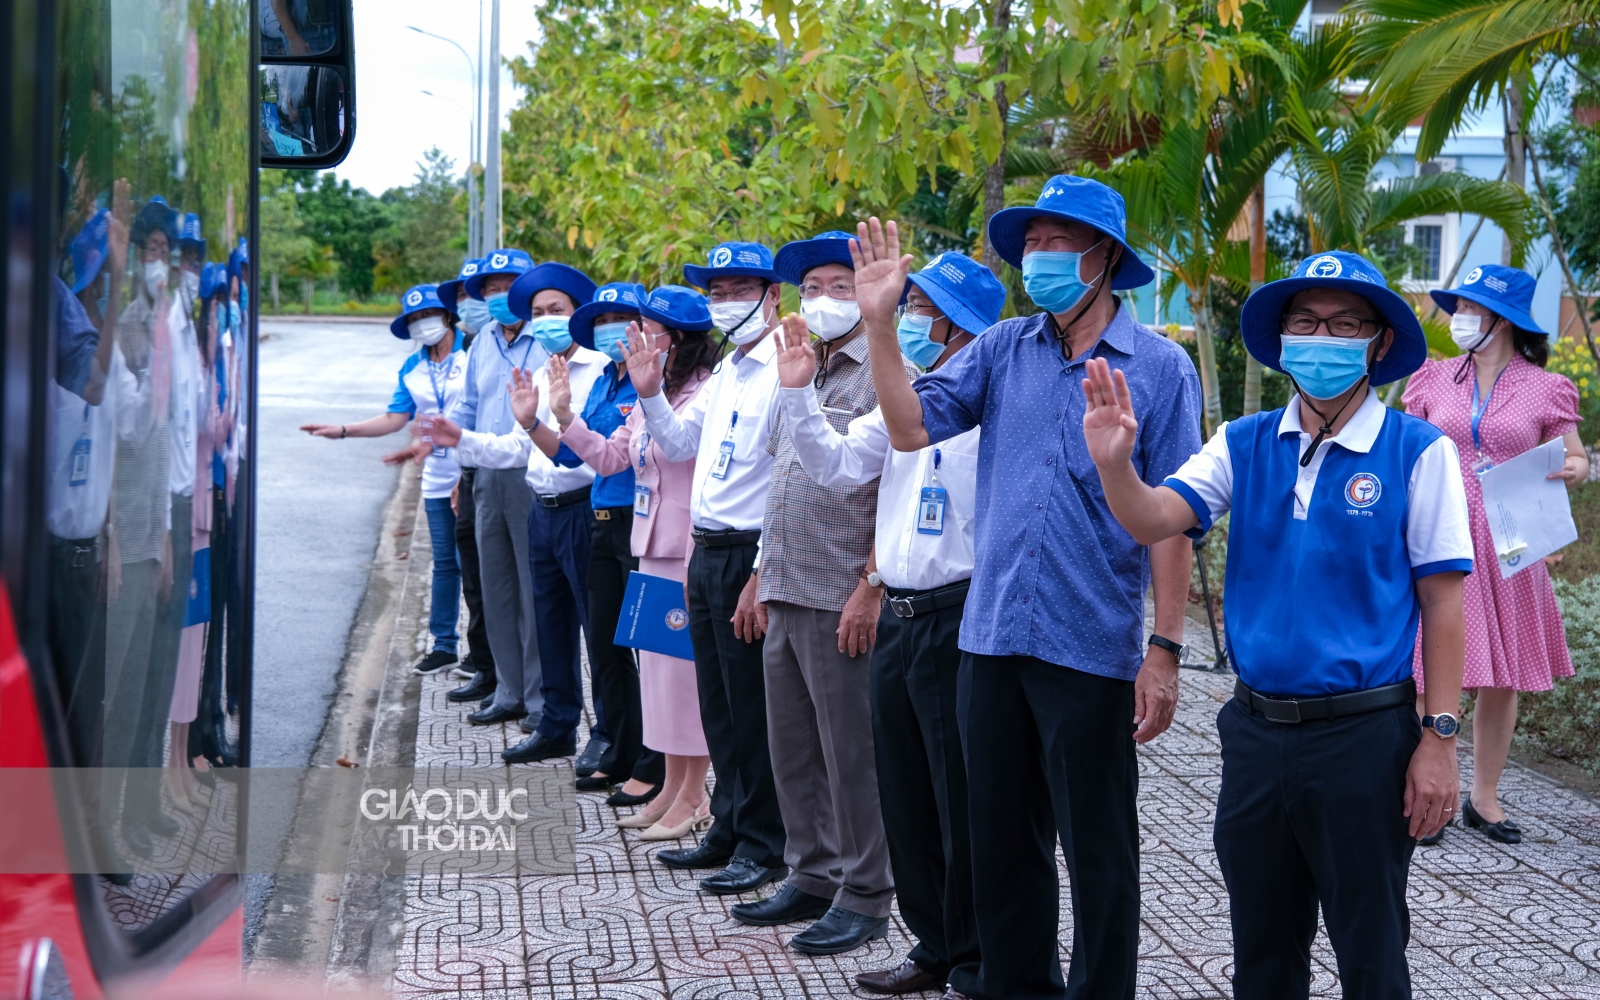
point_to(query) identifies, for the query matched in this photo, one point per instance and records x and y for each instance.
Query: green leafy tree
(426, 236)
(347, 220)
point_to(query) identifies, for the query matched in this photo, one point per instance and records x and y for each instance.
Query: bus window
(299, 27)
(148, 475)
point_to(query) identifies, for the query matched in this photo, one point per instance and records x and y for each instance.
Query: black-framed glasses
(1305, 324)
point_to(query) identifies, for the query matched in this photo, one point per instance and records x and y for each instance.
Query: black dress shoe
(493, 716)
(742, 875)
(907, 977)
(1431, 841)
(138, 838)
(481, 686)
(592, 783)
(589, 760)
(703, 856)
(787, 906)
(1505, 831)
(162, 825)
(528, 723)
(434, 662)
(839, 931)
(620, 799)
(538, 747)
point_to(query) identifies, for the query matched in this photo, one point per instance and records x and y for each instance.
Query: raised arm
(1149, 513)
(881, 273)
(677, 435)
(830, 458)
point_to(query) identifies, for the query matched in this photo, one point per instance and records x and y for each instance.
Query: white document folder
(1530, 516)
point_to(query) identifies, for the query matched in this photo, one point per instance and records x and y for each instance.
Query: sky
(396, 123)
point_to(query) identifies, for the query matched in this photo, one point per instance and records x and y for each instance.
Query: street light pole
(474, 131)
(492, 226)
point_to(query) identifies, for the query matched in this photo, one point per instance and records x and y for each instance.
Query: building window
(1429, 241)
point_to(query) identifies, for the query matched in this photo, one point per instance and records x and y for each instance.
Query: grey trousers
(502, 499)
(819, 725)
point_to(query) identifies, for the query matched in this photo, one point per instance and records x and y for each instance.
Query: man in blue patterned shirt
(1055, 686)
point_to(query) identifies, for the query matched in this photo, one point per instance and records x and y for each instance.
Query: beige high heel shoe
(643, 819)
(701, 820)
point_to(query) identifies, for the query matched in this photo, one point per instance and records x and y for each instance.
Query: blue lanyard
(438, 394)
(644, 444)
(1479, 409)
(500, 342)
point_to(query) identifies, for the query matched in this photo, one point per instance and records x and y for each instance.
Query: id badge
(719, 469)
(80, 463)
(438, 452)
(641, 501)
(1483, 464)
(930, 512)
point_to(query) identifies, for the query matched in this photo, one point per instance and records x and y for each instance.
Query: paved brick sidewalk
(1487, 920)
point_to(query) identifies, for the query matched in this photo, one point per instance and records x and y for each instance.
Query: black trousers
(1311, 813)
(922, 785)
(733, 709)
(78, 641)
(479, 656)
(615, 670)
(1028, 725)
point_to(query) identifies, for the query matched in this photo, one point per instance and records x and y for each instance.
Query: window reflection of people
(281, 21)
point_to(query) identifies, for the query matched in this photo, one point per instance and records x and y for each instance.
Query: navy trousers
(1309, 814)
(558, 562)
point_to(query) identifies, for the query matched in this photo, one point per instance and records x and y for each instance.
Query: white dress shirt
(545, 477)
(187, 399)
(79, 498)
(746, 384)
(907, 558)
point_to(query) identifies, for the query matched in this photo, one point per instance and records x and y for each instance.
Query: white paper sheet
(1529, 516)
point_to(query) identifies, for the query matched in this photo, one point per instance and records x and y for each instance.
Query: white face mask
(155, 277)
(427, 331)
(828, 317)
(741, 321)
(1467, 332)
(191, 284)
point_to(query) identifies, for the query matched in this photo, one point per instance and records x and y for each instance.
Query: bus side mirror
(306, 83)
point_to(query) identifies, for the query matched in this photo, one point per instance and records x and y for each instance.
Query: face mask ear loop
(723, 352)
(1061, 332)
(1327, 422)
(1466, 362)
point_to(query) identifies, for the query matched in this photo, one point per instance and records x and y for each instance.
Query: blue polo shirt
(1323, 560)
(606, 409)
(1055, 576)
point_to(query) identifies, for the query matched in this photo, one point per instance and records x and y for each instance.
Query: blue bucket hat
(617, 296)
(963, 289)
(502, 261)
(678, 307)
(208, 280)
(415, 300)
(89, 250)
(189, 234)
(1078, 199)
(1505, 291)
(732, 260)
(1261, 322)
(795, 259)
(450, 291)
(156, 214)
(238, 259)
(578, 286)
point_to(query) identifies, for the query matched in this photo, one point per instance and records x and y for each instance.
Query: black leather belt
(563, 499)
(1331, 706)
(910, 603)
(726, 538)
(611, 513)
(80, 551)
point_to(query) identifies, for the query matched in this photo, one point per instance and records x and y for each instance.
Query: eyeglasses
(923, 309)
(1304, 324)
(844, 290)
(746, 292)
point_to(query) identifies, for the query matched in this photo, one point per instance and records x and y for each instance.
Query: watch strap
(1175, 648)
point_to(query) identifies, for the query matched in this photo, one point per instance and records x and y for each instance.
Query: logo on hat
(470, 269)
(499, 260)
(721, 257)
(1497, 284)
(1473, 276)
(1363, 490)
(414, 299)
(660, 303)
(1324, 267)
(607, 295)
(677, 619)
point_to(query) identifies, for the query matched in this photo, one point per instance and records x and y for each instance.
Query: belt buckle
(548, 501)
(602, 515)
(901, 606)
(1280, 711)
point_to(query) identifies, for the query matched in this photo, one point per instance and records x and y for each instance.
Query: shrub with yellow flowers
(1570, 356)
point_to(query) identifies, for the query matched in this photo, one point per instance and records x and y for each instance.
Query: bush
(1570, 356)
(1565, 722)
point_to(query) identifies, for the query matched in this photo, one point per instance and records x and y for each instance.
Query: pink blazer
(665, 533)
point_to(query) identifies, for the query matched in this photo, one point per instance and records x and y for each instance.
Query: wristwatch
(1444, 725)
(874, 580)
(1177, 649)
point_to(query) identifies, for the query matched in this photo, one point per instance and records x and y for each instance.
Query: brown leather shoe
(907, 978)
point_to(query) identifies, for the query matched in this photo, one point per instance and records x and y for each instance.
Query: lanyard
(1479, 409)
(438, 394)
(938, 456)
(500, 342)
(644, 445)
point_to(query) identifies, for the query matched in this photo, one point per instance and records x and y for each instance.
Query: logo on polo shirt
(1363, 490)
(1324, 267)
(607, 295)
(677, 619)
(414, 299)
(499, 260)
(721, 257)
(1473, 276)
(624, 408)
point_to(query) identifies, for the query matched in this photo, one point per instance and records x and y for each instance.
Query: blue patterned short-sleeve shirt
(1056, 576)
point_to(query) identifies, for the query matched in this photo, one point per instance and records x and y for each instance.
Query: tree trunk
(1516, 141)
(1258, 277)
(1208, 360)
(308, 289)
(994, 177)
(277, 305)
(1579, 302)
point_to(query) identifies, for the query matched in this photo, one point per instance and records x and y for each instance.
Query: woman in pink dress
(676, 320)
(1497, 402)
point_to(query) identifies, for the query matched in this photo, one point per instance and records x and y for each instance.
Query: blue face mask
(244, 296)
(235, 317)
(1324, 367)
(474, 314)
(609, 339)
(551, 333)
(500, 308)
(916, 342)
(1051, 279)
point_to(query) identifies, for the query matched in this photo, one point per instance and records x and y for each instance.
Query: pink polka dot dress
(1515, 638)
